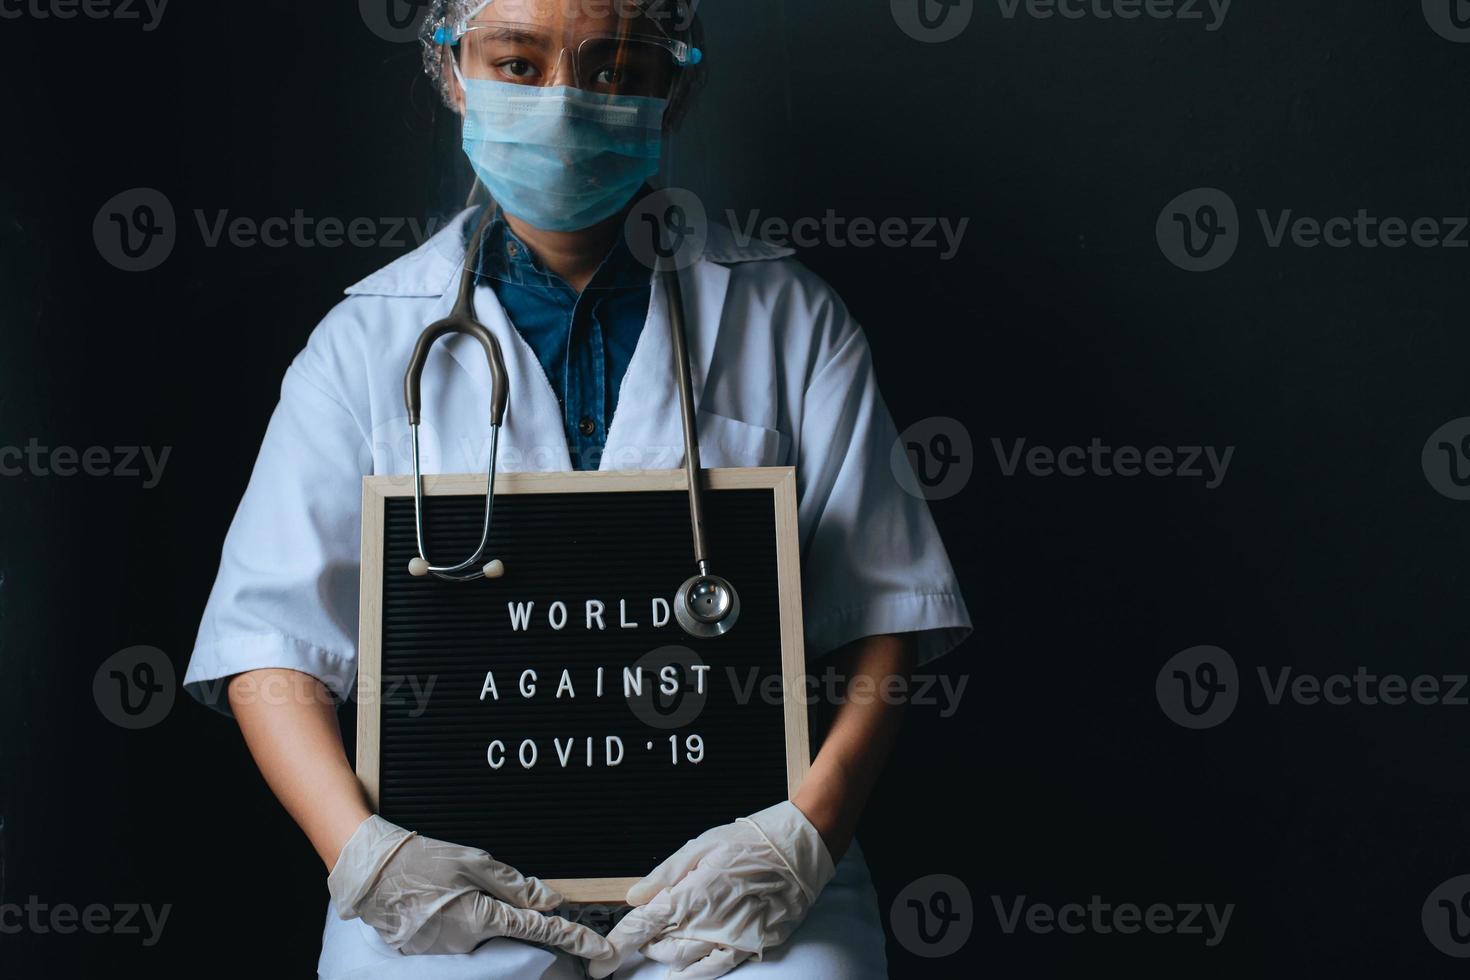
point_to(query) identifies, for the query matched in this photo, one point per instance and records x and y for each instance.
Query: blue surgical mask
(560, 158)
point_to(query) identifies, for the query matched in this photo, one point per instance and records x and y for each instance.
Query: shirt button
(586, 426)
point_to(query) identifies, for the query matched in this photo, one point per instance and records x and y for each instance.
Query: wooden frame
(781, 480)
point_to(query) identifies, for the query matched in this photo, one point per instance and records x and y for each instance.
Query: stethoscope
(706, 605)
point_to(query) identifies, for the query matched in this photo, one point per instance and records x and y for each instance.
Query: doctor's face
(610, 47)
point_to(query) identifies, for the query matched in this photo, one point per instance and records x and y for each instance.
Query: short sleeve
(872, 559)
(286, 592)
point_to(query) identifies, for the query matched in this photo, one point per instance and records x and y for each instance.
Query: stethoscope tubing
(706, 605)
(692, 470)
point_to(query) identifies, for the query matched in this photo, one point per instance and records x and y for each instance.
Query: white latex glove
(724, 897)
(426, 896)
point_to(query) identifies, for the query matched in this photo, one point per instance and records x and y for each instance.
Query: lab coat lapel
(533, 437)
(646, 432)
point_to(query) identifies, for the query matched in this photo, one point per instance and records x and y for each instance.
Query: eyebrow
(517, 35)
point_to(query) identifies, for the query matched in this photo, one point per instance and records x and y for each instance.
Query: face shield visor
(599, 46)
(564, 106)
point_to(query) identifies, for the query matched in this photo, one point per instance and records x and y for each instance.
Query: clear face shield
(564, 106)
(623, 51)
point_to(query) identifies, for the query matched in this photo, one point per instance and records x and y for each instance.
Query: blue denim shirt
(584, 341)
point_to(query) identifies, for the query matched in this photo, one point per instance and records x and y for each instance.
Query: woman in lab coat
(781, 374)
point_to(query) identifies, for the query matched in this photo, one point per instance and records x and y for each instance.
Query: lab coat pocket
(724, 441)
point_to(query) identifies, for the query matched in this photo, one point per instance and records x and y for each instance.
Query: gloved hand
(426, 896)
(725, 896)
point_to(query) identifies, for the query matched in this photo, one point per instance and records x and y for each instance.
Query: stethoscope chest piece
(706, 605)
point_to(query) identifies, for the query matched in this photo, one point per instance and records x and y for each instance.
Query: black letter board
(571, 773)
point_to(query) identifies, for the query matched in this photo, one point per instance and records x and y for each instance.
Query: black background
(1059, 777)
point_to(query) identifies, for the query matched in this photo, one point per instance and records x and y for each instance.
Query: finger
(679, 951)
(629, 935)
(670, 872)
(716, 964)
(553, 930)
(641, 925)
(512, 887)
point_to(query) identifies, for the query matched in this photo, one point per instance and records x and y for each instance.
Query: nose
(563, 75)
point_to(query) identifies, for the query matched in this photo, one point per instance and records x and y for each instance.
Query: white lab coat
(781, 375)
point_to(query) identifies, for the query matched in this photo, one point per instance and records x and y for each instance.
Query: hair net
(681, 15)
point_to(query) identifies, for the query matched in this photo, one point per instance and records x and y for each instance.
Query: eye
(517, 68)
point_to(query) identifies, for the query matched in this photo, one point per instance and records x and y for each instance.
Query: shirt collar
(506, 258)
